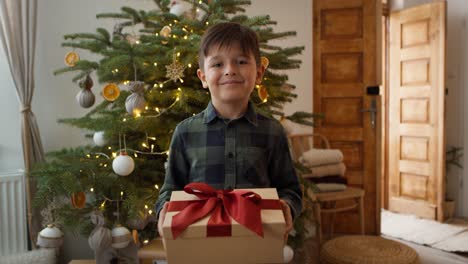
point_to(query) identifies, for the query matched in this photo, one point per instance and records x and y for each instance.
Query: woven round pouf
(366, 250)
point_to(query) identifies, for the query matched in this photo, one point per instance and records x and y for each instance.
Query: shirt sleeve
(283, 175)
(177, 169)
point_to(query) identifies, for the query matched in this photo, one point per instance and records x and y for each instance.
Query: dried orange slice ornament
(110, 92)
(135, 237)
(78, 200)
(262, 93)
(265, 62)
(71, 58)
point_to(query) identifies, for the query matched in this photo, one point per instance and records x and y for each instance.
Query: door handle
(373, 112)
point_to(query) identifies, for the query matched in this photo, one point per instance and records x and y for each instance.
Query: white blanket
(327, 170)
(317, 157)
(331, 187)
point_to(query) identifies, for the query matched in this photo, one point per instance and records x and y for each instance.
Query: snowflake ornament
(175, 70)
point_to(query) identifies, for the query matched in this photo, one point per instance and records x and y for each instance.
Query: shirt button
(230, 155)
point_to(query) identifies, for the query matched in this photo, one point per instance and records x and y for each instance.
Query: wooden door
(346, 44)
(416, 110)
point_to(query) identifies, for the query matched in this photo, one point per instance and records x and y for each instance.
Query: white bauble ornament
(288, 254)
(50, 237)
(99, 139)
(121, 236)
(136, 101)
(123, 164)
(179, 8)
(85, 98)
(185, 9)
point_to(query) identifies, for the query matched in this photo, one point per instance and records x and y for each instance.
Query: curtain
(18, 37)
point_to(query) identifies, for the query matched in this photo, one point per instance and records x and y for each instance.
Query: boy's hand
(162, 215)
(288, 218)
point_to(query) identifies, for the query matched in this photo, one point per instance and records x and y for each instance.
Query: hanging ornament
(110, 92)
(136, 101)
(288, 254)
(184, 9)
(86, 83)
(99, 139)
(123, 164)
(97, 218)
(262, 92)
(50, 237)
(120, 237)
(100, 238)
(71, 58)
(265, 62)
(175, 70)
(135, 237)
(180, 8)
(78, 200)
(132, 39)
(85, 98)
(165, 31)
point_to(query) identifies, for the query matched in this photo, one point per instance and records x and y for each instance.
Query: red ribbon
(241, 205)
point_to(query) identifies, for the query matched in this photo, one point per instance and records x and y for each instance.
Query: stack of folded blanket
(327, 168)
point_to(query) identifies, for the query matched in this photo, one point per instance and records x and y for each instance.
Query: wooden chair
(326, 202)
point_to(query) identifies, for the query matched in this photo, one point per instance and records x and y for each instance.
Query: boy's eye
(216, 64)
(243, 61)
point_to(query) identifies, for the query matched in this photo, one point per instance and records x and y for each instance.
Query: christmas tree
(146, 66)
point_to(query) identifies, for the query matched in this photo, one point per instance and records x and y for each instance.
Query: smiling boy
(229, 145)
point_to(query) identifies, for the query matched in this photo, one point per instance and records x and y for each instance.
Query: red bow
(241, 205)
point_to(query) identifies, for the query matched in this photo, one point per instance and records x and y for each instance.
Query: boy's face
(230, 75)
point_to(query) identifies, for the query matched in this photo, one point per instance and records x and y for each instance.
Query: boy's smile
(230, 75)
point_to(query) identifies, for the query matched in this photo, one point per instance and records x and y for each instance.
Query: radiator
(13, 235)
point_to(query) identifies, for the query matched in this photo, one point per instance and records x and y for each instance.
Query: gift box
(204, 225)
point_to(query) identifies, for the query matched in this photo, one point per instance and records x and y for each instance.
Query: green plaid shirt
(249, 152)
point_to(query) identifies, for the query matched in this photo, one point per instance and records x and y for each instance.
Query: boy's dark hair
(224, 35)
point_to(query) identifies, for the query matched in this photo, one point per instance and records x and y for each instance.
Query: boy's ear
(202, 78)
(260, 72)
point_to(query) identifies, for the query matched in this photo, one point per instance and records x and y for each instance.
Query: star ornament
(175, 70)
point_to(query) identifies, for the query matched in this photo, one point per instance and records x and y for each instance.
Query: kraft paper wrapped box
(199, 243)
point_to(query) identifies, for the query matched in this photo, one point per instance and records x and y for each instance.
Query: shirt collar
(250, 114)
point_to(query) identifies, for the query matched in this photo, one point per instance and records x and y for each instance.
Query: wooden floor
(427, 255)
